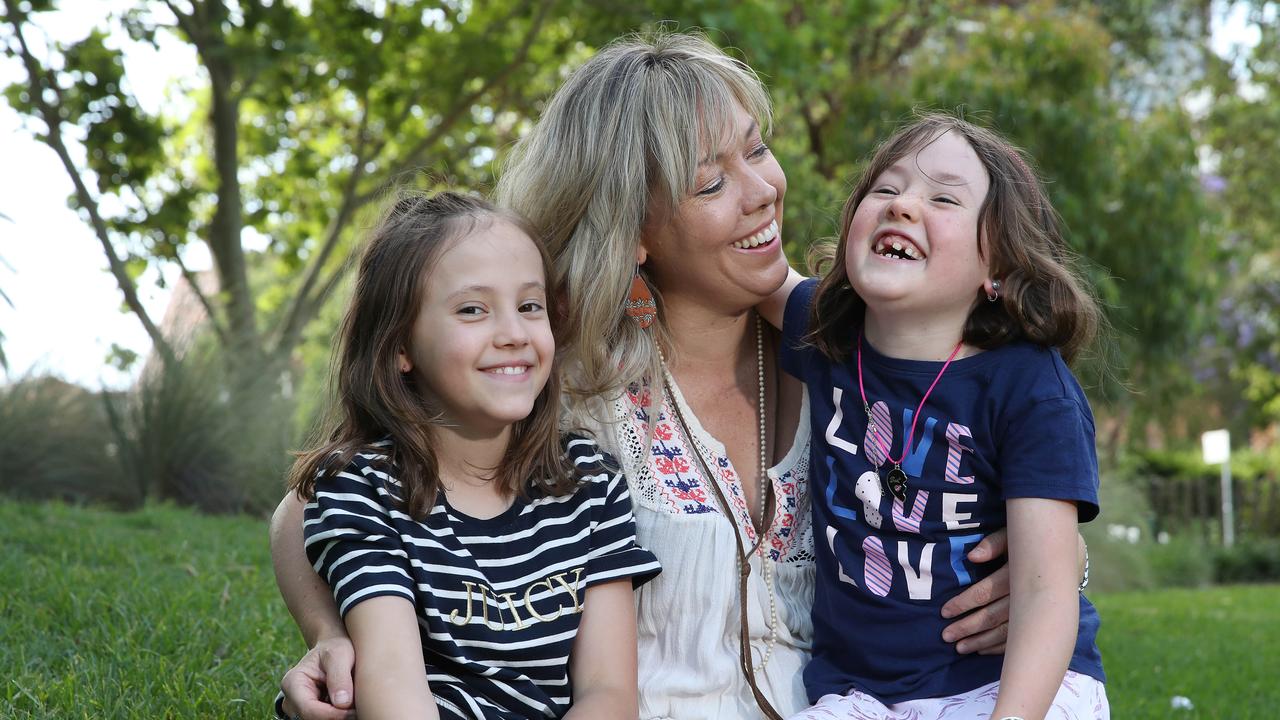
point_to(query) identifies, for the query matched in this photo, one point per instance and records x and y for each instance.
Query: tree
(307, 114)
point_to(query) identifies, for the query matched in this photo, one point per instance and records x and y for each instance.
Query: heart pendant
(897, 481)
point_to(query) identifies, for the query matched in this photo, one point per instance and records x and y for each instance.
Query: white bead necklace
(766, 564)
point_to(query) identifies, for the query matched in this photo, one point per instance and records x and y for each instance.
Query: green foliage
(55, 444)
(1252, 560)
(195, 433)
(1216, 647)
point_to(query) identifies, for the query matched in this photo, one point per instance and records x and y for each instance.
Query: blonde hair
(621, 138)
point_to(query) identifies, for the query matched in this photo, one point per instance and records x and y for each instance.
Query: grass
(159, 613)
(165, 613)
(1218, 647)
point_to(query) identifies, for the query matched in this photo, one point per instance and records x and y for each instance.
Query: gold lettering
(528, 602)
(511, 603)
(572, 590)
(453, 614)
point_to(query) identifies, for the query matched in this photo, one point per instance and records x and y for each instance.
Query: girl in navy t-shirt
(482, 562)
(934, 349)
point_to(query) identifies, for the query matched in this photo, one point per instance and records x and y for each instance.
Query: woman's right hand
(319, 687)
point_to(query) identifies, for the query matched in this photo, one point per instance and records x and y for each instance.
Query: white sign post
(1216, 445)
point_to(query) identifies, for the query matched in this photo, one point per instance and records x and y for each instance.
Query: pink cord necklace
(896, 482)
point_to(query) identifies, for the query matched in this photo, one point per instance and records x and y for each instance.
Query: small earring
(994, 295)
(640, 304)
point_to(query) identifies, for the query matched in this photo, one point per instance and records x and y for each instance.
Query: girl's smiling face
(913, 242)
(723, 245)
(481, 345)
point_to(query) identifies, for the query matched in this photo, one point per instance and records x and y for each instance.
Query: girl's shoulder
(364, 464)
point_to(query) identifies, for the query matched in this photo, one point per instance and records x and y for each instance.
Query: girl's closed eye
(946, 199)
(885, 190)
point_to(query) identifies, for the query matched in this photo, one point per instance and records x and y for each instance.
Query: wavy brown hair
(374, 401)
(1043, 298)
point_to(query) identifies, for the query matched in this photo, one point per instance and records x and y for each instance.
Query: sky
(66, 312)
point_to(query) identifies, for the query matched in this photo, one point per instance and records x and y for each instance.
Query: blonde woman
(649, 178)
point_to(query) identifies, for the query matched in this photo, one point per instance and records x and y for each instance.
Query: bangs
(690, 114)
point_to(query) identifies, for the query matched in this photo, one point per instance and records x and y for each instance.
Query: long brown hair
(1042, 297)
(376, 401)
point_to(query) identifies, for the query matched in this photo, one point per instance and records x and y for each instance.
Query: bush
(55, 443)
(191, 433)
(1182, 562)
(1251, 560)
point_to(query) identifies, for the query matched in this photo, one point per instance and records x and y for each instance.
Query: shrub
(55, 443)
(1251, 560)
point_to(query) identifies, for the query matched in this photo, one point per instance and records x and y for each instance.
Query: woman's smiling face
(722, 246)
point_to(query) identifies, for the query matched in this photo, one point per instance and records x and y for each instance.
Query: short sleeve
(1050, 453)
(795, 325)
(614, 552)
(350, 539)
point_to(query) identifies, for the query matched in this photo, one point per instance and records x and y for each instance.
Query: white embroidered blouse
(689, 616)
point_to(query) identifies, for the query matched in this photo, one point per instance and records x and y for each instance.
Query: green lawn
(164, 613)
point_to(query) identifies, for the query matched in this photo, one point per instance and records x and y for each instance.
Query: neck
(914, 337)
(469, 457)
(707, 340)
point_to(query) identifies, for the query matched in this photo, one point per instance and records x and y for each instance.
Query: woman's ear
(403, 363)
(642, 253)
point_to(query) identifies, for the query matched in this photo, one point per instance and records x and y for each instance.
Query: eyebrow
(751, 130)
(531, 285)
(944, 179)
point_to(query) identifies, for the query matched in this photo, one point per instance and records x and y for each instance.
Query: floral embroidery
(680, 486)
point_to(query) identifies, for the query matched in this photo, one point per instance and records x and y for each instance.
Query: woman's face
(722, 247)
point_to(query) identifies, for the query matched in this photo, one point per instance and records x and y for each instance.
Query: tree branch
(414, 157)
(52, 118)
(223, 336)
(303, 303)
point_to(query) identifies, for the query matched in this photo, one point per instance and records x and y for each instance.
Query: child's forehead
(946, 158)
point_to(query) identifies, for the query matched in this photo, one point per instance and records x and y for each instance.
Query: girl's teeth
(509, 370)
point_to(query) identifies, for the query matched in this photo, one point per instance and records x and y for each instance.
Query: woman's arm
(319, 687)
(602, 664)
(391, 674)
(1045, 613)
(985, 629)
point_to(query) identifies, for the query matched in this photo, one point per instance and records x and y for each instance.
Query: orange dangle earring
(640, 304)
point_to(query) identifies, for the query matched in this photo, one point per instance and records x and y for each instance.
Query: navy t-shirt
(1005, 423)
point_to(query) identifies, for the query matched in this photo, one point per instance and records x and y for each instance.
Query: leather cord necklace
(766, 520)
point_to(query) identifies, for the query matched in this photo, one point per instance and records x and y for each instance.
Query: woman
(649, 163)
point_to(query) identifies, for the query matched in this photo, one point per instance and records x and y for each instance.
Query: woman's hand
(319, 687)
(985, 629)
(986, 626)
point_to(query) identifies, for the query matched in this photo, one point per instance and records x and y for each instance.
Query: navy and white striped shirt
(498, 600)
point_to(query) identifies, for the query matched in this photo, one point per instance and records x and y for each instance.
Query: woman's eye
(713, 188)
(531, 307)
(760, 151)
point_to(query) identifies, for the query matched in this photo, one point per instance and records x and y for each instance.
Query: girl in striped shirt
(482, 562)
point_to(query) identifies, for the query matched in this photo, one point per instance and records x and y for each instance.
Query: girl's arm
(326, 668)
(391, 674)
(1045, 613)
(602, 664)
(774, 307)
